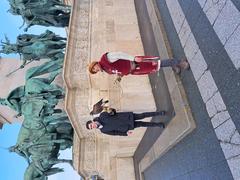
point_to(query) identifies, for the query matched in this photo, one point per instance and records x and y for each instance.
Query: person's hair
(90, 67)
(87, 124)
(95, 119)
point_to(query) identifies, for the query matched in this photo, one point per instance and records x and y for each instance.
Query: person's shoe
(176, 69)
(161, 125)
(184, 64)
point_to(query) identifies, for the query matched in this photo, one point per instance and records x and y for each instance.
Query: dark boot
(148, 124)
(161, 125)
(153, 124)
(183, 65)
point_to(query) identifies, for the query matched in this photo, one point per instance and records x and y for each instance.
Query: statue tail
(53, 171)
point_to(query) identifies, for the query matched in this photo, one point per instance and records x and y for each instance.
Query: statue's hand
(18, 115)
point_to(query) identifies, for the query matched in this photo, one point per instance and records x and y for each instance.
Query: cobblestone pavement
(207, 32)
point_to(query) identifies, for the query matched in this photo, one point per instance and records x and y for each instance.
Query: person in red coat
(123, 64)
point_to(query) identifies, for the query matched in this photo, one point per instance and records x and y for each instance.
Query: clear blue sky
(12, 166)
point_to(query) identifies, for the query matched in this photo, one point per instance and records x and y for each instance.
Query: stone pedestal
(97, 27)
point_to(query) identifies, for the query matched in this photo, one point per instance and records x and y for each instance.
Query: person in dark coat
(121, 123)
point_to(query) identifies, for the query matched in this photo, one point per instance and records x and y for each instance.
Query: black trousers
(137, 117)
(169, 62)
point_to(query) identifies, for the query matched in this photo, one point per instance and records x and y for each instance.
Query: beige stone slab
(127, 32)
(110, 30)
(125, 168)
(123, 18)
(123, 15)
(123, 3)
(113, 169)
(133, 47)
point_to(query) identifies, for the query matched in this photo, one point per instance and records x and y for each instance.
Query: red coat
(123, 67)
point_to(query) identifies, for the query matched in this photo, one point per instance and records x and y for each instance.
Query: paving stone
(219, 118)
(186, 6)
(182, 177)
(191, 47)
(237, 4)
(225, 131)
(230, 150)
(198, 65)
(176, 13)
(207, 86)
(184, 33)
(171, 7)
(202, 3)
(213, 8)
(211, 109)
(232, 47)
(236, 138)
(169, 166)
(218, 102)
(227, 21)
(234, 165)
(215, 172)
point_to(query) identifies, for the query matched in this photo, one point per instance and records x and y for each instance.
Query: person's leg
(148, 124)
(148, 114)
(176, 64)
(145, 67)
(169, 62)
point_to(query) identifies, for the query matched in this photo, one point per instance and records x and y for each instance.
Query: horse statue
(42, 12)
(35, 47)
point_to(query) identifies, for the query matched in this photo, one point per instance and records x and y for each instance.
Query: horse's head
(33, 173)
(24, 38)
(8, 48)
(3, 101)
(13, 148)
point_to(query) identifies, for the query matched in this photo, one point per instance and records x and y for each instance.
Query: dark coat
(116, 124)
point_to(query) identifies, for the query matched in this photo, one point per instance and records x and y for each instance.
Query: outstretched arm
(114, 56)
(24, 155)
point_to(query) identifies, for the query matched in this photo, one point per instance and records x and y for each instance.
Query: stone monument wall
(97, 27)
